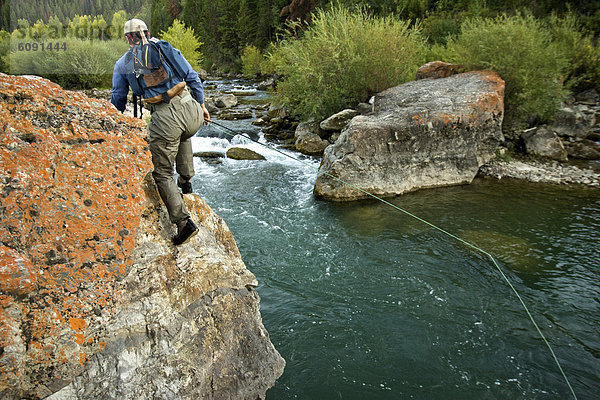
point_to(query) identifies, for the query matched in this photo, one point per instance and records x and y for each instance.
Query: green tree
(99, 27)
(582, 51)
(55, 27)
(411, 9)
(184, 39)
(5, 15)
(4, 52)
(80, 27)
(115, 30)
(161, 19)
(252, 60)
(40, 30)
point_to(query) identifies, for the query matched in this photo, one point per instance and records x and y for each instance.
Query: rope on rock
(230, 132)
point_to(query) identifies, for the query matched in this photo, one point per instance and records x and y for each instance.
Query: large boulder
(96, 302)
(425, 133)
(544, 143)
(569, 122)
(589, 97)
(308, 139)
(231, 115)
(226, 100)
(583, 149)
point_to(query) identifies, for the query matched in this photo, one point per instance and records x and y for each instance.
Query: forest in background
(226, 27)
(377, 44)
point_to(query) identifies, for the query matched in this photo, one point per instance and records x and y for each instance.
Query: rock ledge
(95, 301)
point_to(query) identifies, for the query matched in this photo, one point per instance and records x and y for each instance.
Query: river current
(365, 302)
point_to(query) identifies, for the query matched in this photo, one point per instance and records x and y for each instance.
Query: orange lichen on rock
(78, 324)
(71, 200)
(493, 101)
(489, 102)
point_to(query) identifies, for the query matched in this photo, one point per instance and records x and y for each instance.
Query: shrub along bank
(344, 57)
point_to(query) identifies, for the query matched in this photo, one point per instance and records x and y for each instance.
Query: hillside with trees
(64, 10)
(557, 43)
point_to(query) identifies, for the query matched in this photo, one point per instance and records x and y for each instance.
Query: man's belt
(174, 91)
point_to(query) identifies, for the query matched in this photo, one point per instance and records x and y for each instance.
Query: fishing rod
(232, 133)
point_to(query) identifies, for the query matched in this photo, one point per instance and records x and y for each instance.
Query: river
(365, 302)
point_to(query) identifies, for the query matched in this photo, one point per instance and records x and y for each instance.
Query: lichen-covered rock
(90, 280)
(422, 134)
(188, 323)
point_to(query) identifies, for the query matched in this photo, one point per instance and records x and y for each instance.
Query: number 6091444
(35, 46)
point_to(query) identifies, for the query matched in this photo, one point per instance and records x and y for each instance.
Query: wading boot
(186, 230)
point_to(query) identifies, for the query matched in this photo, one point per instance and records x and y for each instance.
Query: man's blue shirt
(124, 77)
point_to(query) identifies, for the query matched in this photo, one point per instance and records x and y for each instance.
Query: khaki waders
(171, 127)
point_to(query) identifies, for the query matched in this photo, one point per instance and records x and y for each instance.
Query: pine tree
(160, 20)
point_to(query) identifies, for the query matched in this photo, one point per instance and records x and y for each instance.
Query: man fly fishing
(172, 89)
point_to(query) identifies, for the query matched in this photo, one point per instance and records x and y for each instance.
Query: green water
(364, 302)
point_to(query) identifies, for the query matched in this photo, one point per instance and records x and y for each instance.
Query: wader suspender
(135, 106)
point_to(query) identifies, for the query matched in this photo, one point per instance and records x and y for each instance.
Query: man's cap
(134, 25)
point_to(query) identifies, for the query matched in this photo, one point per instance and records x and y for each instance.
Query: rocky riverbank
(558, 154)
(541, 172)
(422, 134)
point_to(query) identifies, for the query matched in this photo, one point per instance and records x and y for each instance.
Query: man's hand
(206, 114)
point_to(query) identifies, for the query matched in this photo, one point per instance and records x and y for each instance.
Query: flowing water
(365, 302)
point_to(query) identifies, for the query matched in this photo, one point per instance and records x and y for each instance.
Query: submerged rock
(226, 101)
(209, 154)
(96, 301)
(242, 153)
(517, 253)
(422, 134)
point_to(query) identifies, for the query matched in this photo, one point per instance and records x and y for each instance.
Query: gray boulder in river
(426, 133)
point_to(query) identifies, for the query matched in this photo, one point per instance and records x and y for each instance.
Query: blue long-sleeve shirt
(124, 77)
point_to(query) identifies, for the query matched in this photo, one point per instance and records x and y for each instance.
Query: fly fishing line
(231, 133)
